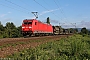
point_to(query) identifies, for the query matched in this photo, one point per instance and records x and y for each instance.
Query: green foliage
(73, 30)
(10, 30)
(19, 31)
(1, 30)
(84, 31)
(73, 48)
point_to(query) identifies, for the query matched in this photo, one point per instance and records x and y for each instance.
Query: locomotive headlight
(30, 27)
(23, 27)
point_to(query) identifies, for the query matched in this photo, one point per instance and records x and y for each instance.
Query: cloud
(3, 15)
(44, 12)
(78, 25)
(68, 25)
(84, 24)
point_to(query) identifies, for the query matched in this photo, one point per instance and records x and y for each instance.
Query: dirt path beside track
(28, 43)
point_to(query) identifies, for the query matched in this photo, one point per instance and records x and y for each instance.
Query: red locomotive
(35, 27)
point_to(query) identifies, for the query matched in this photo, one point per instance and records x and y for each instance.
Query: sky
(66, 13)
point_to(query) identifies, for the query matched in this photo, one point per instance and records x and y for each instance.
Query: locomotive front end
(27, 27)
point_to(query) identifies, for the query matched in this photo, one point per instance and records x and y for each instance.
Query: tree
(71, 30)
(1, 30)
(14, 33)
(19, 31)
(1, 27)
(10, 25)
(88, 32)
(10, 29)
(84, 31)
(48, 20)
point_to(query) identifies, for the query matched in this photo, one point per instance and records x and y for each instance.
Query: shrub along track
(10, 46)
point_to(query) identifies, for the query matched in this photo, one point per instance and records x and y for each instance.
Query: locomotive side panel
(50, 29)
(44, 28)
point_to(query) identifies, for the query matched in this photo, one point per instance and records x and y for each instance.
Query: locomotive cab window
(27, 22)
(24, 22)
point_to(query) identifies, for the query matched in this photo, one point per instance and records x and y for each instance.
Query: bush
(73, 48)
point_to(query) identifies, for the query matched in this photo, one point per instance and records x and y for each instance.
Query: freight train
(34, 27)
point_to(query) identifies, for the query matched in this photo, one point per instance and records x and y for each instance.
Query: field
(74, 47)
(9, 46)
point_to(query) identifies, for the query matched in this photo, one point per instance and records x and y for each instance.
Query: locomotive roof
(29, 20)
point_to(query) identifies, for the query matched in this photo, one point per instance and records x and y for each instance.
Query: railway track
(22, 39)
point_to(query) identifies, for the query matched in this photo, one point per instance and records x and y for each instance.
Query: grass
(75, 47)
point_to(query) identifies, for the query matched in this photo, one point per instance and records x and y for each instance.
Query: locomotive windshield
(27, 22)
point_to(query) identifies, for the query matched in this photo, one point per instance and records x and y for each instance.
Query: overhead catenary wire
(20, 10)
(54, 21)
(61, 10)
(19, 6)
(13, 8)
(28, 10)
(31, 7)
(46, 8)
(48, 5)
(25, 3)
